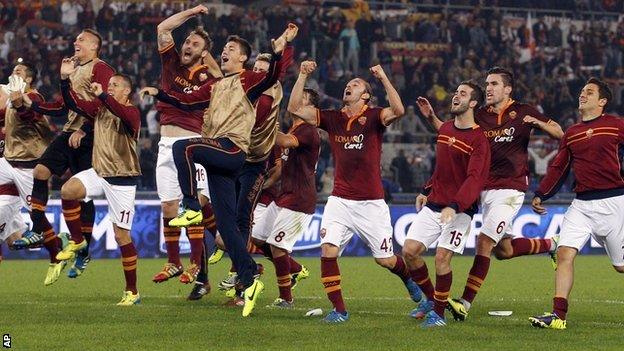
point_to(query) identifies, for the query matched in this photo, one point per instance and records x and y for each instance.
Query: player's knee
(169, 208)
(565, 255)
(485, 245)
(72, 190)
(41, 172)
(443, 260)
(619, 269)
(386, 262)
(203, 200)
(329, 250)
(410, 250)
(122, 236)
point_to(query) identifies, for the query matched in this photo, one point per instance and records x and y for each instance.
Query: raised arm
(551, 127)
(17, 101)
(54, 108)
(164, 29)
(295, 103)
(213, 66)
(85, 108)
(129, 115)
(427, 111)
(197, 100)
(257, 82)
(538, 120)
(396, 109)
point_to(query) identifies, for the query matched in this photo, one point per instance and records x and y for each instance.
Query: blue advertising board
(149, 241)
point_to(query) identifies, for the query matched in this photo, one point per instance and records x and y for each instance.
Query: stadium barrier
(149, 241)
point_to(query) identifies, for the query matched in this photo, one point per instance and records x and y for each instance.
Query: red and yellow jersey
(509, 139)
(355, 144)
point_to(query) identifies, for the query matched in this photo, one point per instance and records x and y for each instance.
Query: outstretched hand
(96, 89)
(425, 107)
(307, 67)
(68, 66)
(289, 34)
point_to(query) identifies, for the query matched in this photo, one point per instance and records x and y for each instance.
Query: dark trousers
(249, 186)
(222, 160)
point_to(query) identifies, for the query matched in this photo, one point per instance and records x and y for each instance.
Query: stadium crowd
(552, 58)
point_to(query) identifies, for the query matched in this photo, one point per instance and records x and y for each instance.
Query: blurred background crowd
(426, 47)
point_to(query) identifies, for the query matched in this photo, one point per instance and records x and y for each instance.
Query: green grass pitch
(81, 314)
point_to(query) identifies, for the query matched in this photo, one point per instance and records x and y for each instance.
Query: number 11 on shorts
(126, 215)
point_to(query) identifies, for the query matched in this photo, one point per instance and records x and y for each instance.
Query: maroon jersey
(298, 170)
(271, 193)
(509, 138)
(356, 148)
(462, 166)
(592, 148)
(178, 78)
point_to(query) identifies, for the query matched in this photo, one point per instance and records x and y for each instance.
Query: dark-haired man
(115, 171)
(28, 134)
(286, 218)
(229, 117)
(182, 72)
(357, 203)
(71, 150)
(592, 147)
(448, 202)
(508, 125)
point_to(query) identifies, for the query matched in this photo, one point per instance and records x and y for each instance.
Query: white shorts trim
(263, 220)
(500, 207)
(11, 220)
(428, 229)
(288, 227)
(21, 177)
(370, 219)
(601, 219)
(120, 198)
(167, 184)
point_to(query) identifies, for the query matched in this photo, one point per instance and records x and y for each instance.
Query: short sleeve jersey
(509, 138)
(356, 148)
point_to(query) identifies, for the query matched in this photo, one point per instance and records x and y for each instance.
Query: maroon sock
(330, 277)
(400, 269)
(478, 272)
(129, 261)
(172, 242)
(71, 213)
(196, 238)
(295, 267)
(421, 277)
(441, 294)
(560, 307)
(209, 221)
(282, 270)
(52, 243)
(524, 246)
